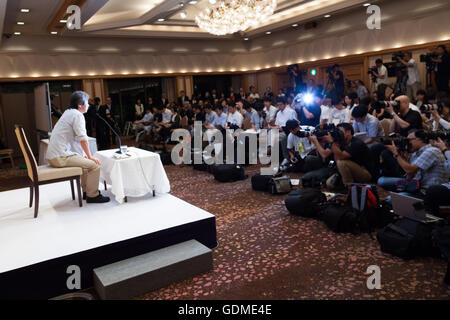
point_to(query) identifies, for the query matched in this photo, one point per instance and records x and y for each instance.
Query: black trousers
(442, 82)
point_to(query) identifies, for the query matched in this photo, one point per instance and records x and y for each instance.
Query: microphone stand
(117, 135)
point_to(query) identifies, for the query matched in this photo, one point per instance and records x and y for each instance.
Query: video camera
(397, 55)
(427, 57)
(232, 126)
(372, 70)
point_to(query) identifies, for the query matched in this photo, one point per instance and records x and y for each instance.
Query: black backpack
(407, 239)
(305, 202)
(229, 173)
(261, 182)
(357, 214)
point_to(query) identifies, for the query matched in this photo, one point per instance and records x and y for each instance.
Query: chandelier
(230, 16)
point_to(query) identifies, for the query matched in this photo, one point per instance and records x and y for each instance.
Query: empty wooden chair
(40, 175)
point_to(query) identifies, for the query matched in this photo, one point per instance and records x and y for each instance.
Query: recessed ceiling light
(17, 33)
(54, 32)
(268, 32)
(192, 2)
(161, 20)
(366, 4)
(212, 1)
(327, 16)
(20, 23)
(295, 25)
(25, 10)
(63, 21)
(246, 39)
(183, 14)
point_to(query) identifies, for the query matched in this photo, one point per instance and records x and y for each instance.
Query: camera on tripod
(397, 55)
(427, 57)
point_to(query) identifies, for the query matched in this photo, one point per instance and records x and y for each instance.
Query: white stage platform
(94, 235)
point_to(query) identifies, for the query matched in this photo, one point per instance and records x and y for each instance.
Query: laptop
(361, 135)
(411, 208)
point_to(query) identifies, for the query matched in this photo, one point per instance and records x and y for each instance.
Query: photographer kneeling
(426, 165)
(352, 156)
(299, 148)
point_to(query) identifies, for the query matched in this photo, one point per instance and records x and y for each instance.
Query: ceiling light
(327, 16)
(63, 21)
(161, 19)
(366, 4)
(212, 1)
(54, 32)
(246, 39)
(295, 25)
(192, 2)
(20, 23)
(183, 14)
(268, 32)
(25, 10)
(17, 33)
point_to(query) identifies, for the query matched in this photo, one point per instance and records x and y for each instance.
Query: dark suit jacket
(181, 102)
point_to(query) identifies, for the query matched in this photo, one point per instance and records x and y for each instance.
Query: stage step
(141, 274)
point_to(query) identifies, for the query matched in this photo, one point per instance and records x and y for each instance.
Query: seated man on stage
(69, 142)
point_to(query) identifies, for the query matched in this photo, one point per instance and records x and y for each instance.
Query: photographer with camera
(413, 82)
(283, 114)
(299, 147)
(442, 118)
(404, 118)
(367, 123)
(442, 68)
(336, 83)
(426, 165)
(308, 109)
(381, 76)
(297, 77)
(352, 156)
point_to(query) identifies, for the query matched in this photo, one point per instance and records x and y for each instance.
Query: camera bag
(280, 185)
(228, 173)
(305, 202)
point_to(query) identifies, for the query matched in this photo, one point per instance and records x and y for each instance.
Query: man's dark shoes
(97, 199)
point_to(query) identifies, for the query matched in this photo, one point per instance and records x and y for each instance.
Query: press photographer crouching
(425, 167)
(299, 148)
(353, 158)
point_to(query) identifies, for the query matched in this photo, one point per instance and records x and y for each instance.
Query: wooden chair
(7, 153)
(40, 175)
(247, 123)
(184, 121)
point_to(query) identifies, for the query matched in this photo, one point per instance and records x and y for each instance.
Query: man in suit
(103, 131)
(182, 98)
(163, 101)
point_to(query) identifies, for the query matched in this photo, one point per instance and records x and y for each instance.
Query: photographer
(426, 164)
(413, 82)
(337, 78)
(352, 156)
(439, 195)
(284, 114)
(381, 78)
(404, 118)
(299, 146)
(308, 112)
(367, 123)
(297, 75)
(361, 90)
(442, 69)
(442, 119)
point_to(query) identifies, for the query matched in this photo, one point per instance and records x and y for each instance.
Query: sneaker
(98, 199)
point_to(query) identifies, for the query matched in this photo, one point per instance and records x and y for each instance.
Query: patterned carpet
(265, 253)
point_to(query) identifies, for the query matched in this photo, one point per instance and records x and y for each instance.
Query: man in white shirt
(253, 94)
(325, 109)
(367, 123)
(70, 130)
(269, 109)
(166, 115)
(339, 113)
(413, 83)
(234, 118)
(284, 114)
(381, 78)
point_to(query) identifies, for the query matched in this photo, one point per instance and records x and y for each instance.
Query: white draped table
(134, 176)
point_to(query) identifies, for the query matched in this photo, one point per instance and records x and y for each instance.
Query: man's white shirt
(382, 71)
(283, 116)
(235, 118)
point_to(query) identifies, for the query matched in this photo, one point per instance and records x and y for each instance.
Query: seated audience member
(268, 93)
(210, 115)
(352, 156)
(139, 109)
(182, 98)
(339, 113)
(420, 98)
(367, 123)
(439, 195)
(144, 125)
(234, 118)
(220, 120)
(259, 118)
(269, 109)
(299, 148)
(283, 115)
(376, 109)
(361, 90)
(199, 115)
(426, 164)
(174, 123)
(325, 108)
(253, 94)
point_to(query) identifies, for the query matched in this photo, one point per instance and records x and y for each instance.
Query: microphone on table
(117, 135)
